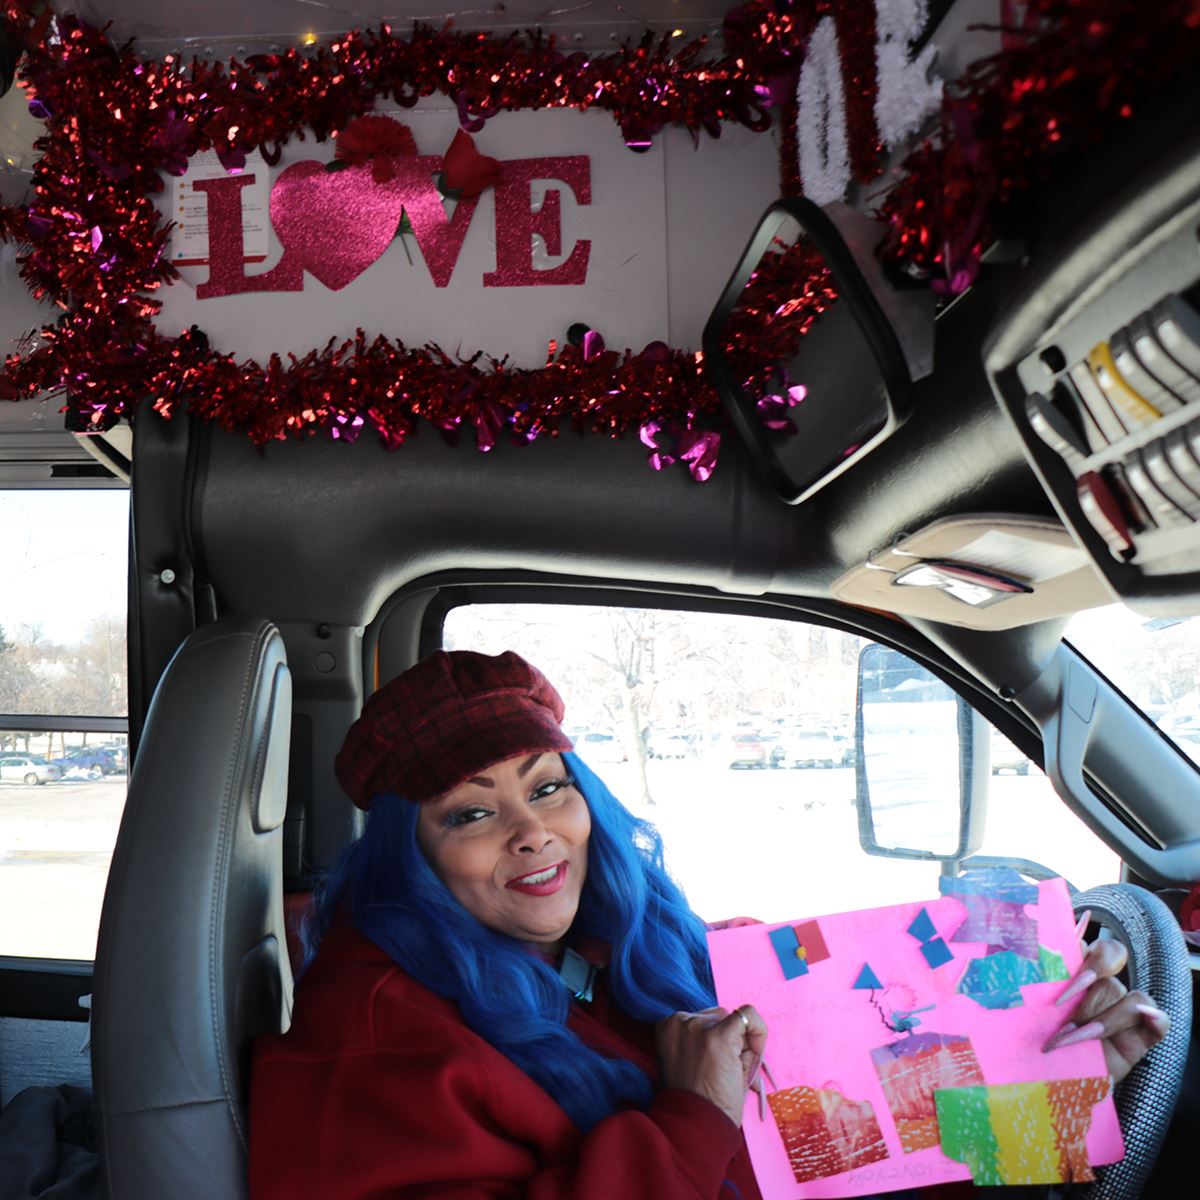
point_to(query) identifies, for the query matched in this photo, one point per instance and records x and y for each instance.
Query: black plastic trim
(59, 723)
(455, 588)
(46, 989)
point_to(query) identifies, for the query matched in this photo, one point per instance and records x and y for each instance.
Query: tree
(86, 678)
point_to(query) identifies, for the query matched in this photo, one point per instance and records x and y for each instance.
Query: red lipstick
(544, 887)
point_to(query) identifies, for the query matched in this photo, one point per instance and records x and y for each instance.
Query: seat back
(191, 962)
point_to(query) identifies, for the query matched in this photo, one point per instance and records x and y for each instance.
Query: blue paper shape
(936, 952)
(999, 883)
(786, 944)
(922, 927)
(867, 979)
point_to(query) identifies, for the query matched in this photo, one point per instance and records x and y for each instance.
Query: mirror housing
(811, 350)
(922, 756)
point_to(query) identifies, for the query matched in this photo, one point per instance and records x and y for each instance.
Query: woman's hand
(713, 1053)
(1128, 1024)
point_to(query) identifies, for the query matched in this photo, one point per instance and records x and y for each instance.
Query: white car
(27, 768)
(809, 748)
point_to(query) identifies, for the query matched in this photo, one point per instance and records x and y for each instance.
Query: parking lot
(56, 842)
(774, 844)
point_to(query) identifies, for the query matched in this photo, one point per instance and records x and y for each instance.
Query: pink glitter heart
(336, 223)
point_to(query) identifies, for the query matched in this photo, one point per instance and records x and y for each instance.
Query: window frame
(445, 591)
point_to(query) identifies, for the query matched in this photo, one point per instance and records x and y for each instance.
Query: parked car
(750, 751)
(29, 769)
(92, 762)
(1007, 759)
(808, 748)
(844, 743)
(598, 747)
(671, 743)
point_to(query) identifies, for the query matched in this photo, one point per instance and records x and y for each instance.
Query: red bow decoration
(466, 172)
(376, 140)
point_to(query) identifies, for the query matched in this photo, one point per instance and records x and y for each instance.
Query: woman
(511, 997)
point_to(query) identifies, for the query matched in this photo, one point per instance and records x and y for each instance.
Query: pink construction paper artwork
(911, 1069)
(1021, 1133)
(824, 1133)
(848, 1062)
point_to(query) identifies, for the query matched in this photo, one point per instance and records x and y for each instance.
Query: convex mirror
(807, 364)
(922, 761)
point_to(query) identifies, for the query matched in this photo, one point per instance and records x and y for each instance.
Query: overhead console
(1098, 366)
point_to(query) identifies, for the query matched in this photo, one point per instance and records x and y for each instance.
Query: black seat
(191, 962)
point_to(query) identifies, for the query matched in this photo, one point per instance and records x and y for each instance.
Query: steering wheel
(1158, 966)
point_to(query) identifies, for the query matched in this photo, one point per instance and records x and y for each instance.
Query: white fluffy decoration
(821, 130)
(909, 90)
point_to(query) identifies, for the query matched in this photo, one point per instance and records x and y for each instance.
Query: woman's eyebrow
(522, 771)
(528, 765)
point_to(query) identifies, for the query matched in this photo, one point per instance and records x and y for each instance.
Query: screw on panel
(166, 576)
(1008, 692)
(324, 632)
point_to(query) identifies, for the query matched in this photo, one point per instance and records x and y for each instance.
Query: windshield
(1155, 661)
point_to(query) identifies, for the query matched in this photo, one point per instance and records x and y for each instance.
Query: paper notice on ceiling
(1020, 556)
(189, 210)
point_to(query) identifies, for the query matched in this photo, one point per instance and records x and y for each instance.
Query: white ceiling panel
(226, 24)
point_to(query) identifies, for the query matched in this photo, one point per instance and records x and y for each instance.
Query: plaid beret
(447, 718)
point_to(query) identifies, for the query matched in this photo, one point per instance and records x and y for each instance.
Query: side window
(63, 713)
(734, 735)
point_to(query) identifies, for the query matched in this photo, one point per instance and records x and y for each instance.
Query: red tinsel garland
(116, 122)
(1083, 69)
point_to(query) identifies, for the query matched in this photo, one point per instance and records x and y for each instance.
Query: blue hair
(511, 998)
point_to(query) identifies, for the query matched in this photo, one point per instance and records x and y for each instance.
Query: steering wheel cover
(1158, 966)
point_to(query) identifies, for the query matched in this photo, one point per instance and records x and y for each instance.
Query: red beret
(454, 714)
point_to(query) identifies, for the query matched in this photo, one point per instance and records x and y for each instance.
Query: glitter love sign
(893, 1067)
(335, 224)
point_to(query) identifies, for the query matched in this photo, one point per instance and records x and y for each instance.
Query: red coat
(380, 1091)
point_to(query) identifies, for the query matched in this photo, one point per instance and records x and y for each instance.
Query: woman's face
(511, 845)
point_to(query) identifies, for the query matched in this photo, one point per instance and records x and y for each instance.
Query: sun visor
(986, 571)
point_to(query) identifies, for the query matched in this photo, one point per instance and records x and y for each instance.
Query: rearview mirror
(810, 369)
(921, 767)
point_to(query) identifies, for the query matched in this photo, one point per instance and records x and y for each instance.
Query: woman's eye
(466, 816)
(550, 787)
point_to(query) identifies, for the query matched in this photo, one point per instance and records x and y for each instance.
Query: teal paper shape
(996, 981)
(867, 979)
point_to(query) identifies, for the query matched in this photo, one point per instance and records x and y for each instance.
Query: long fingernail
(1068, 1037)
(1155, 1016)
(1080, 983)
(1084, 922)
(1052, 1040)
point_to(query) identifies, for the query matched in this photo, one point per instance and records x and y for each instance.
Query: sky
(63, 559)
